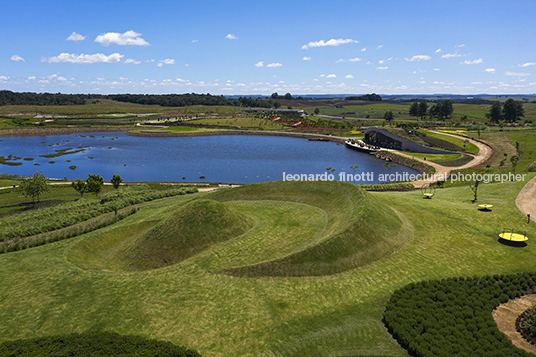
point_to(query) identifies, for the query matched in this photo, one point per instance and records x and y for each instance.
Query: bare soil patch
(505, 316)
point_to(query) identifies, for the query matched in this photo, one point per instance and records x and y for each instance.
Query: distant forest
(165, 100)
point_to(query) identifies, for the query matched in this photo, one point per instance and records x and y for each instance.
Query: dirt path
(505, 316)
(526, 199)
(442, 172)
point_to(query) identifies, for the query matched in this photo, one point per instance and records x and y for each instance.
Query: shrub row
(94, 345)
(526, 325)
(453, 317)
(48, 219)
(16, 244)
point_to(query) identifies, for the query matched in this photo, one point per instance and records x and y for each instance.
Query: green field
(304, 270)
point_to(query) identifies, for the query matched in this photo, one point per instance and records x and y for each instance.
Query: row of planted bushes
(453, 317)
(48, 219)
(526, 325)
(16, 244)
(99, 344)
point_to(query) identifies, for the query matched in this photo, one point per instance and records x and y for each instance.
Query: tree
(414, 109)
(116, 181)
(94, 184)
(495, 112)
(34, 186)
(423, 108)
(513, 110)
(317, 111)
(474, 188)
(79, 186)
(388, 116)
(447, 108)
(514, 160)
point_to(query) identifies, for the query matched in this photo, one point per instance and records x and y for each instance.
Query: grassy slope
(63, 288)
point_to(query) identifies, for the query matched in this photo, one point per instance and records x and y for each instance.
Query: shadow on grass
(512, 244)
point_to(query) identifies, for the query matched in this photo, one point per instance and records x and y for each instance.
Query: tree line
(440, 110)
(168, 100)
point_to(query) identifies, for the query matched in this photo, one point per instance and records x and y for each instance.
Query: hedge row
(48, 219)
(526, 325)
(453, 317)
(98, 344)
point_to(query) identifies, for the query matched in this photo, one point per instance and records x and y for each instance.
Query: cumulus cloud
(339, 60)
(17, 58)
(363, 49)
(168, 61)
(477, 61)
(331, 76)
(438, 50)
(84, 59)
(357, 59)
(490, 70)
(527, 64)
(306, 58)
(4, 78)
(76, 37)
(132, 60)
(231, 37)
(419, 58)
(517, 74)
(332, 42)
(272, 65)
(259, 64)
(349, 76)
(451, 55)
(130, 38)
(382, 67)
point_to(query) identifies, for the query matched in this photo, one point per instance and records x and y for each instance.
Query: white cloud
(273, 65)
(4, 78)
(436, 69)
(84, 59)
(490, 70)
(32, 78)
(168, 61)
(306, 58)
(438, 50)
(132, 60)
(527, 64)
(462, 45)
(332, 42)
(349, 76)
(357, 59)
(17, 58)
(381, 61)
(363, 49)
(382, 67)
(419, 58)
(380, 46)
(339, 61)
(259, 64)
(517, 74)
(130, 38)
(76, 37)
(331, 76)
(195, 41)
(159, 64)
(477, 61)
(231, 37)
(451, 55)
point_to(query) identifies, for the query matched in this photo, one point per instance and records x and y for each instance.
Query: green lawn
(81, 284)
(471, 148)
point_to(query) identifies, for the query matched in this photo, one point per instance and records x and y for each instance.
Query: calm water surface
(225, 158)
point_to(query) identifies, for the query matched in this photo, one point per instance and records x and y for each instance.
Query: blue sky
(253, 47)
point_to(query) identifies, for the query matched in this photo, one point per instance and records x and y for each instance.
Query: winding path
(442, 172)
(526, 199)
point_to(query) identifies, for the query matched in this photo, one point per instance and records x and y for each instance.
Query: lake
(223, 158)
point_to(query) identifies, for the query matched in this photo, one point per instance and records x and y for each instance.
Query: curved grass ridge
(195, 227)
(359, 230)
(453, 317)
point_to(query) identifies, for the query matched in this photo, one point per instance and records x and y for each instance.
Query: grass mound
(195, 227)
(359, 230)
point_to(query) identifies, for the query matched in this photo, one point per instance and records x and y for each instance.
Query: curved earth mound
(196, 226)
(359, 230)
